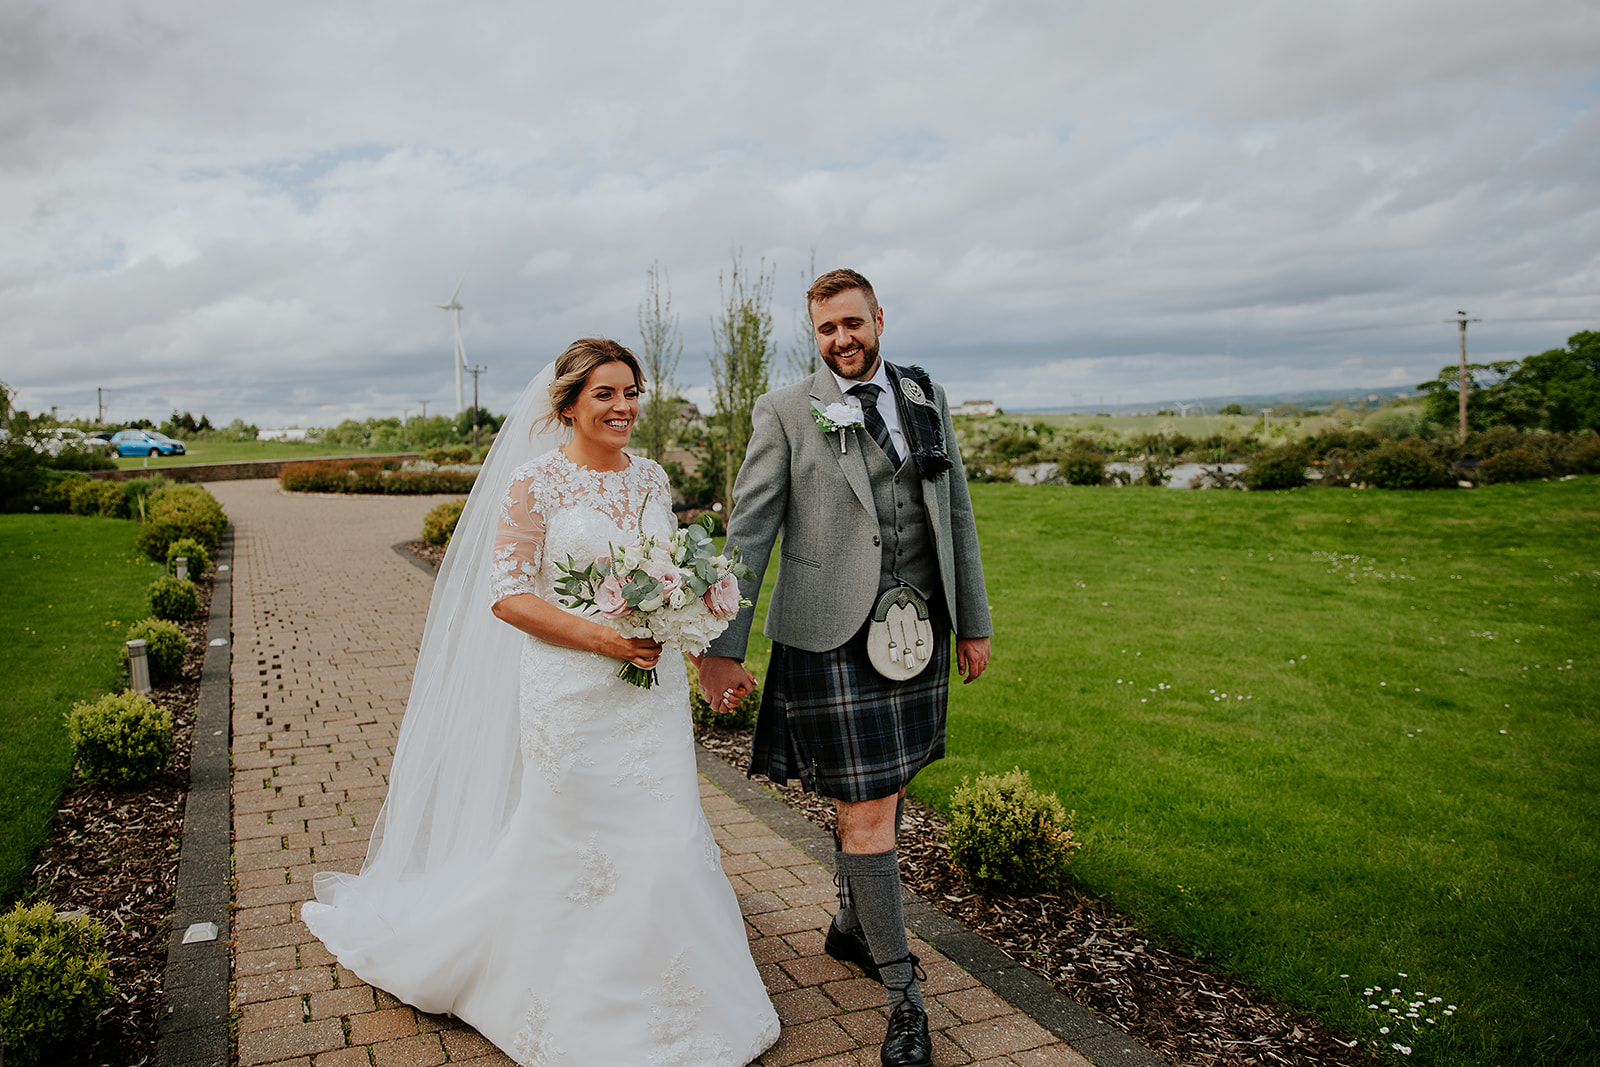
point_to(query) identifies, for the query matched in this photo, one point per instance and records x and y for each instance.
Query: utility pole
(100, 403)
(475, 371)
(1461, 383)
(405, 429)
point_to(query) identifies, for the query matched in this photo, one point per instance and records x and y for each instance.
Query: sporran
(900, 634)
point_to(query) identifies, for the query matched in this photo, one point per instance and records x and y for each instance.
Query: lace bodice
(554, 508)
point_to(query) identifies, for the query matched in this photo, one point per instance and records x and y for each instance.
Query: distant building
(975, 407)
(291, 433)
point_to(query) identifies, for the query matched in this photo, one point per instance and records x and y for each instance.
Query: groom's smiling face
(847, 330)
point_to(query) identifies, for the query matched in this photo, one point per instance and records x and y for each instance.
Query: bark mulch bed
(432, 555)
(1180, 1007)
(112, 855)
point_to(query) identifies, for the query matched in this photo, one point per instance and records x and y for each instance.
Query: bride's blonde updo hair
(573, 368)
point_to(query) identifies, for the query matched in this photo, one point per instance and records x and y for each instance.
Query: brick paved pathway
(326, 623)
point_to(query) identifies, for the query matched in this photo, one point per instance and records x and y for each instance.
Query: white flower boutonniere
(837, 418)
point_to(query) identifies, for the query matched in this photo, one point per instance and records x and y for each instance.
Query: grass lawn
(1319, 733)
(73, 586)
(241, 451)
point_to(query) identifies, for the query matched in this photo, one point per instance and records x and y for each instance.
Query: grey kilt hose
(845, 730)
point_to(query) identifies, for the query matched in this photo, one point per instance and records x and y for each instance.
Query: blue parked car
(145, 443)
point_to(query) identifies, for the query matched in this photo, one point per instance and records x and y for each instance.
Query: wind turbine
(454, 307)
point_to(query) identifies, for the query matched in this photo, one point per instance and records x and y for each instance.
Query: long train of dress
(602, 930)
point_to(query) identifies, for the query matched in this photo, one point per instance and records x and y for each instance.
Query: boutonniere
(837, 418)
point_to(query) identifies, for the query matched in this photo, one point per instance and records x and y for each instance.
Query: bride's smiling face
(606, 409)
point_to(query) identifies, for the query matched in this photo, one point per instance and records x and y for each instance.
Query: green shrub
(1007, 836)
(370, 476)
(440, 522)
(178, 511)
(1583, 455)
(54, 983)
(1495, 440)
(173, 598)
(436, 455)
(192, 550)
(92, 496)
(136, 492)
(1512, 465)
(166, 645)
(121, 738)
(82, 459)
(1083, 463)
(1404, 464)
(460, 453)
(1283, 467)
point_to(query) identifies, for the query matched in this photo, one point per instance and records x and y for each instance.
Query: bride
(541, 868)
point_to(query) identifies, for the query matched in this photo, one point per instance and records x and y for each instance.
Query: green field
(1318, 733)
(241, 451)
(1409, 782)
(73, 585)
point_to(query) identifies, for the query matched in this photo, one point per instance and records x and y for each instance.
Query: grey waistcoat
(909, 557)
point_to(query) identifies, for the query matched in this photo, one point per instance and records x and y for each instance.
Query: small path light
(181, 565)
(139, 665)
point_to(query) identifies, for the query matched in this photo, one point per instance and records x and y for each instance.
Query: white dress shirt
(887, 405)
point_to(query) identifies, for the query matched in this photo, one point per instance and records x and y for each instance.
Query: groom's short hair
(839, 281)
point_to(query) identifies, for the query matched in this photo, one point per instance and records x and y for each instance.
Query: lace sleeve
(660, 490)
(518, 540)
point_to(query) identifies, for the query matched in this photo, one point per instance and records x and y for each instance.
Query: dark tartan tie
(867, 393)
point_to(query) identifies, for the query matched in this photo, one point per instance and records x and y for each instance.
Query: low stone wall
(232, 472)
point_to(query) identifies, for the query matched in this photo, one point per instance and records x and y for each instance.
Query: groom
(862, 511)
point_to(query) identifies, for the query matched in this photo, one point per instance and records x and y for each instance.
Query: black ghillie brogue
(907, 1043)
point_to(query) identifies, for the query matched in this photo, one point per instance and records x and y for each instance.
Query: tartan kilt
(846, 731)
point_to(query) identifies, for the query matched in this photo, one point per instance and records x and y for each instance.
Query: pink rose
(667, 574)
(609, 599)
(722, 599)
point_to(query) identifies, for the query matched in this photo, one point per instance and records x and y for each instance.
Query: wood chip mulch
(112, 854)
(1178, 1006)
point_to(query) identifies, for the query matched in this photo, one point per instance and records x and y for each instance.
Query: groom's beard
(869, 367)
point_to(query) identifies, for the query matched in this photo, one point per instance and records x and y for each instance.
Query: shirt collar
(880, 378)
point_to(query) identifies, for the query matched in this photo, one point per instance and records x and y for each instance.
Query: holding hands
(724, 682)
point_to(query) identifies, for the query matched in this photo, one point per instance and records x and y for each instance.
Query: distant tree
(741, 359)
(1557, 390)
(1230, 409)
(661, 345)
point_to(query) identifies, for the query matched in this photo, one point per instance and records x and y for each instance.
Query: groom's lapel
(852, 463)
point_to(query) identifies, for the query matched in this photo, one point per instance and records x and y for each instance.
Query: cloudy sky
(248, 209)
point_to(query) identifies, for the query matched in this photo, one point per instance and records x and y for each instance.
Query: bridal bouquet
(679, 591)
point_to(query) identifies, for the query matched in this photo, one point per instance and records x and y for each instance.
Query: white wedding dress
(600, 930)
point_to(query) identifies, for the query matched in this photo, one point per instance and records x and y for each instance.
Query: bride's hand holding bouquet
(677, 591)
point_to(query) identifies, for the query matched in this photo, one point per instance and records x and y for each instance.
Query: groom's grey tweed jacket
(795, 483)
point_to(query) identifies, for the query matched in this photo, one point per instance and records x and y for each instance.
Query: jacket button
(875, 540)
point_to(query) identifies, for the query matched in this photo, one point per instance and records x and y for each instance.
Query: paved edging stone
(1092, 1037)
(194, 1025)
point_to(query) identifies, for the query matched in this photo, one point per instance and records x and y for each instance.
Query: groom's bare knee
(866, 827)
